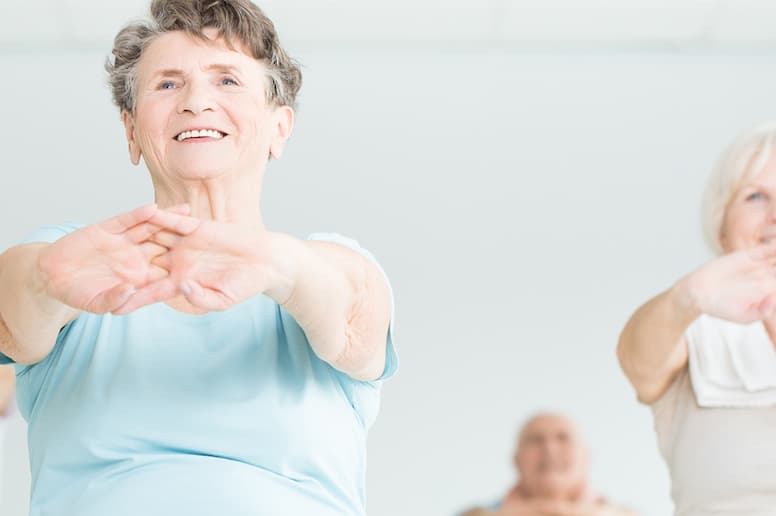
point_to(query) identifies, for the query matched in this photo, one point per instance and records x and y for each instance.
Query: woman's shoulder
(50, 233)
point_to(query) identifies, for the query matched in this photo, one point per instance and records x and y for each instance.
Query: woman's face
(750, 218)
(187, 85)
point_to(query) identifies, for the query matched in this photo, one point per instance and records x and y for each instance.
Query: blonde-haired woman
(702, 352)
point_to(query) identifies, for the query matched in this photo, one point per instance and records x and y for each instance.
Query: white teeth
(210, 133)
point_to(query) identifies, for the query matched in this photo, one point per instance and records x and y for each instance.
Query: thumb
(201, 297)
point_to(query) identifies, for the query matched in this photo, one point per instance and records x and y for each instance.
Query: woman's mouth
(200, 133)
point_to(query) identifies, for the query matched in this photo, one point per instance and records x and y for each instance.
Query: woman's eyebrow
(170, 72)
(218, 67)
(755, 186)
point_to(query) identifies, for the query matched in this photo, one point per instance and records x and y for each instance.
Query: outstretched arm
(97, 269)
(739, 287)
(339, 298)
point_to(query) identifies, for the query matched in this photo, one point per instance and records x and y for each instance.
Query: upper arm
(651, 384)
(653, 344)
(369, 311)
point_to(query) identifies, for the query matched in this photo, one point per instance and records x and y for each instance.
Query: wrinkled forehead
(547, 426)
(177, 50)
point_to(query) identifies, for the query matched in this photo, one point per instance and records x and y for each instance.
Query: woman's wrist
(685, 300)
(39, 286)
(285, 257)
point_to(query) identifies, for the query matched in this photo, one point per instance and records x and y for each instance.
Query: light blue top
(163, 413)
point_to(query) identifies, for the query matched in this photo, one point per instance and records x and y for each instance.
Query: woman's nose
(195, 99)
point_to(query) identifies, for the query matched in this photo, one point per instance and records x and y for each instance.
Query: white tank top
(721, 460)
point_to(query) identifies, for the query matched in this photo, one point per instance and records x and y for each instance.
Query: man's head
(551, 459)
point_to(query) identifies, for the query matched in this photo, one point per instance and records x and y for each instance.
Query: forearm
(32, 318)
(339, 299)
(652, 348)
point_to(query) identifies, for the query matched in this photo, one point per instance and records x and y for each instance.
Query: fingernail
(185, 288)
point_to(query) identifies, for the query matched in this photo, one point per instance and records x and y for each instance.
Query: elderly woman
(702, 352)
(181, 358)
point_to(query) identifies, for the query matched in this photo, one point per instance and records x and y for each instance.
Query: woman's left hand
(215, 265)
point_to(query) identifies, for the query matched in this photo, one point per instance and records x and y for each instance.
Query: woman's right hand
(98, 267)
(738, 287)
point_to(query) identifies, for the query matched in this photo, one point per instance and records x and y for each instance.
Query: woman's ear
(129, 128)
(284, 126)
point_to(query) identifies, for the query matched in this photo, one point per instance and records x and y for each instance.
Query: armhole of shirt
(665, 410)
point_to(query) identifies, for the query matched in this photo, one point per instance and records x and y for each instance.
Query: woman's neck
(225, 199)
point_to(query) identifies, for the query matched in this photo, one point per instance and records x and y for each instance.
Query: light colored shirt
(721, 460)
(159, 412)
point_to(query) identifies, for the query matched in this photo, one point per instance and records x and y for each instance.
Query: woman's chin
(199, 172)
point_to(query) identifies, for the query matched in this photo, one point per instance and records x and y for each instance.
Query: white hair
(743, 159)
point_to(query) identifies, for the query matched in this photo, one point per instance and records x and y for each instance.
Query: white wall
(14, 465)
(522, 203)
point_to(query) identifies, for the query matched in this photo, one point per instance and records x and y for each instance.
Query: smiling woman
(181, 358)
(702, 353)
(223, 87)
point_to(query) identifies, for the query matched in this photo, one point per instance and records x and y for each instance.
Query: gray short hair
(744, 158)
(239, 20)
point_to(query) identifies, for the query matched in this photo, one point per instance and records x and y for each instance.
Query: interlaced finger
(166, 239)
(125, 221)
(176, 223)
(141, 232)
(152, 250)
(163, 261)
(155, 273)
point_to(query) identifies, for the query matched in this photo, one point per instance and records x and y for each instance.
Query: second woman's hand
(738, 287)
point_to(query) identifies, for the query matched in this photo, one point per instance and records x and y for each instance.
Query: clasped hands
(152, 255)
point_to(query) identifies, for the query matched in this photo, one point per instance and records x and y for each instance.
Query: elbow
(10, 346)
(363, 356)
(633, 373)
(622, 351)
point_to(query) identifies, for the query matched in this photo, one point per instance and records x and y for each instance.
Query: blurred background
(527, 172)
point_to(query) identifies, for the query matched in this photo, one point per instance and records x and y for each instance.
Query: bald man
(552, 464)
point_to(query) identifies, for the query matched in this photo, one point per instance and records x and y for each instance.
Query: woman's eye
(756, 196)
(228, 81)
(167, 85)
